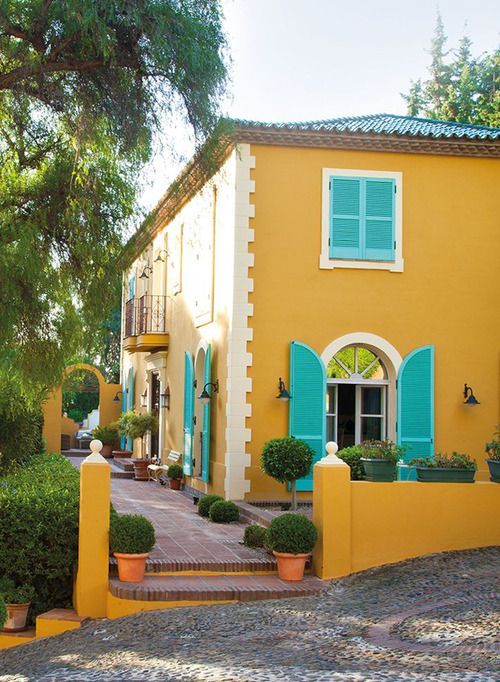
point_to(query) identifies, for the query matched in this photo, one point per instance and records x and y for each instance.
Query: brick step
(121, 467)
(266, 563)
(215, 588)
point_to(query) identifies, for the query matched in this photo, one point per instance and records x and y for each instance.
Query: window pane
(371, 400)
(330, 400)
(371, 428)
(330, 429)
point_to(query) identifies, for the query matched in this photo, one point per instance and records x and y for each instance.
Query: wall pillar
(91, 587)
(332, 515)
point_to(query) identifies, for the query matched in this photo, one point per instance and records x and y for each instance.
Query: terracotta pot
(141, 468)
(131, 567)
(107, 451)
(175, 483)
(291, 566)
(16, 617)
(122, 453)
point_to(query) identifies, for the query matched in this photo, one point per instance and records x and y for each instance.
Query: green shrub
(286, 460)
(352, 457)
(3, 612)
(492, 448)
(254, 536)
(131, 534)
(292, 533)
(23, 594)
(206, 502)
(382, 449)
(39, 508)
(136, 425)
(175, 472)
(108, 435)
(20, 435)
(224, 511)
(457, 460)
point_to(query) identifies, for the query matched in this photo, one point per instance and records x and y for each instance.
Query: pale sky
(311, 59)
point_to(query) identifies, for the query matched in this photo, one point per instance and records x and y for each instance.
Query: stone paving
(433, 619)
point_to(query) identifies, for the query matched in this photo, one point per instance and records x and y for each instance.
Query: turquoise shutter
(124, 408)
(415, 389)
(187, 456)
(379, 194)
(345, 217)
(130, 396)
(205, 434)
(307, 415)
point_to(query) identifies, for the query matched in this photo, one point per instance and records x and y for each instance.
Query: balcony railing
(145, 315)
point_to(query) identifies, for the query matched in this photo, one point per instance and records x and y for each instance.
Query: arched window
(356, 400)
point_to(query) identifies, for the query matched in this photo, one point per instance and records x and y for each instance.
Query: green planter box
(494, 467)
(379, 470)
(451, 475)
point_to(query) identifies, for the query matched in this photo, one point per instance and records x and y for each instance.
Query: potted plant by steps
(108, 435)
(291, 537)
(174, 475)
(17, 602)
(131, 538)
(286, 460)
(135, 425)
(455, 468)
(379, 460)
(493, 450)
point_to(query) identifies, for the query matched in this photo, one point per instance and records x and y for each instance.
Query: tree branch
(12, 29)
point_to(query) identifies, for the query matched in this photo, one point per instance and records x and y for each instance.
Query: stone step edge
(155, 566)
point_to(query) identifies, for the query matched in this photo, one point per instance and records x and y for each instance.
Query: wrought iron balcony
(145, 323)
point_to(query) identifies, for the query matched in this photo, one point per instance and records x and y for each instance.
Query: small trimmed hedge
(22, 594)
(292, 533)
(224, 511)
(254, 536)
(206, 502)
(131, 534)
(352, 457)
(175, 472)
(39, 508)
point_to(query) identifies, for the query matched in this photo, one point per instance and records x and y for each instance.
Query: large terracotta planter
(175, 483)
(445, 475)
(494, 467)
(107, 451)
(141, 468)
(291, 566)
(131, 567)
(379, 470)
(16, 617)
(121, 454)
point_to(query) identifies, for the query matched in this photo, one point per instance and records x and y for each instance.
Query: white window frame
(327, 263)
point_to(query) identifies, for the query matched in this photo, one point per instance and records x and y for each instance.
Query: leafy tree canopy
(83, 85)
(460, 87)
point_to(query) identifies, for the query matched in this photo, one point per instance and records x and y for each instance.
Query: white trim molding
(239, 385)
(327, 263)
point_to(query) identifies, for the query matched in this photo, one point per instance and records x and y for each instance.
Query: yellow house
(349, 265)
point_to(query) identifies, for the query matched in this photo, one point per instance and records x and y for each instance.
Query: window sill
(327, 263)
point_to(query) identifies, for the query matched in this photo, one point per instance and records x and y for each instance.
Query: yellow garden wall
(363, 524)
(447, 296)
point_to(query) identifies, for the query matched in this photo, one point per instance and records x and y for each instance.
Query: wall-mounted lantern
(158, 258)
(118, 394)
(205, 395)
(282, 392)
(144, 398)
(144, 273)
(165, 398)
(469, 397)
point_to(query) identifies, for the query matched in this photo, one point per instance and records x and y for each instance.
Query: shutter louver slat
(379, 219)
(345, 217)
(205, 437)
(187, 455)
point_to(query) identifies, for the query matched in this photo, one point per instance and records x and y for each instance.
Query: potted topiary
(493, 450)
(286, 460)
(455, 468)
(379, 459)
(205, 503)
(174, 474)
(131, 538)
(291, 537)
(224, 511)
(134, 425)
(17, 602)
(108, 435)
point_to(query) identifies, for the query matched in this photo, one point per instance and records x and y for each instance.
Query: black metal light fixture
(205, 395)
(116, 399)
(165, 398)
(469, 397)
(144, 274)
(144, 398)
(282, 392)
(158, 258)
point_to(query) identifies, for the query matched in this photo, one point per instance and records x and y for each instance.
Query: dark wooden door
(155, 409)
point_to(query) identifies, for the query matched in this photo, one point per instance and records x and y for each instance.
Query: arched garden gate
(361, 388)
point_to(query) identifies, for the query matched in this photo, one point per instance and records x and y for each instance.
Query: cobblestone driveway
(432, 619)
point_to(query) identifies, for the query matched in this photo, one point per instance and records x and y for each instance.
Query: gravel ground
(431, 619)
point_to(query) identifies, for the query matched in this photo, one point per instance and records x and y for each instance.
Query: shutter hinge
(329, 184)
(395, 189)
(195, 383)
(329, 241)
(194, 420)
(394, 244)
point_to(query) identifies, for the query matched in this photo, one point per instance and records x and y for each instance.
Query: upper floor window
(362, 221)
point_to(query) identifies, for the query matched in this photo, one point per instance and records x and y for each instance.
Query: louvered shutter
(415, 392)
(378, 219)
(205, 434)
(307, 405)
(130, 396)
(124, 409)
(187, 455)
(345, 217)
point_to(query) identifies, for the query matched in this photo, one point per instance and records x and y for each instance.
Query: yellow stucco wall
(448, 294)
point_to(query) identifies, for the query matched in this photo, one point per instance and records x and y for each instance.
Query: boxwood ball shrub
(131, 534)
(224, 511)
(352, 457)
(254, 536)
(292, 534)
(206, 502)
(39, 510)
(286, 460)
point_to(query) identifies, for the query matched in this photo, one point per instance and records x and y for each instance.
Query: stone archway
(109, 409)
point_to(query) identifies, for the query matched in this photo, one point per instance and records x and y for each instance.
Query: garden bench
(156, 470)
